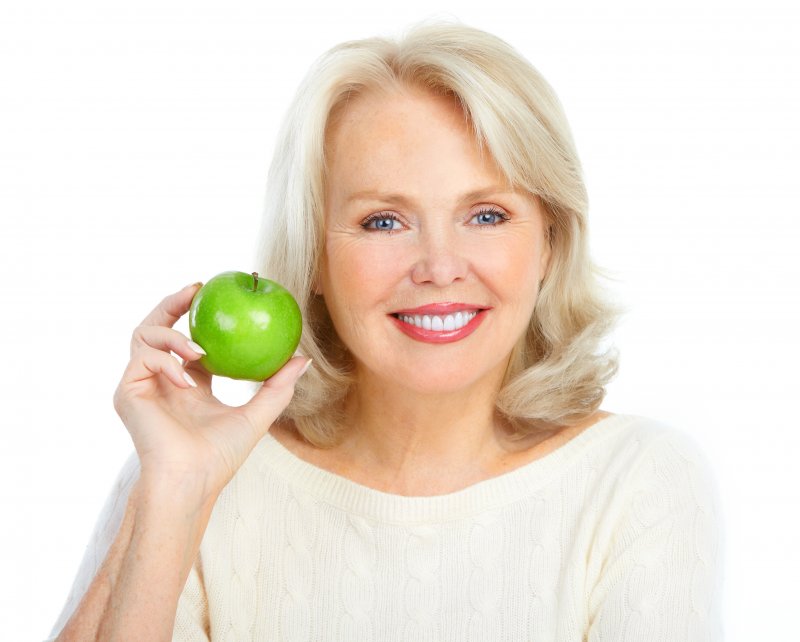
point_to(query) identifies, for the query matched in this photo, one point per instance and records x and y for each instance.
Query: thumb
(276, 393)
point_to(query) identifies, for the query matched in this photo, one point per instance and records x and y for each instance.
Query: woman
(443, 471)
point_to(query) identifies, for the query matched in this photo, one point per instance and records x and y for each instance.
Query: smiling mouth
(438, 323)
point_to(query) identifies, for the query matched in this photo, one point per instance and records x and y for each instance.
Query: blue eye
(383, 222)
(490, 217)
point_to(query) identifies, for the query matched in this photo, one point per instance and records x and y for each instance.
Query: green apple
(249, 327)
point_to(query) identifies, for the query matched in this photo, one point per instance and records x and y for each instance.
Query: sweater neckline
(325, 486)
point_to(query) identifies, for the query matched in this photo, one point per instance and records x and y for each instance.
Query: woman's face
(432, 261)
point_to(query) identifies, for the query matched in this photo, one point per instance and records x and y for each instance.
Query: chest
(284, 566)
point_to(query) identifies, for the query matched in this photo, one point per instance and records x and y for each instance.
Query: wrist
(191, 493)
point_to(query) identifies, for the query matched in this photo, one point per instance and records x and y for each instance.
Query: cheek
(358, 281)
(512, 266)
(361, 274)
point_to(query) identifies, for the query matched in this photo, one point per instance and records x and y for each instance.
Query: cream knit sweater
(615, 536)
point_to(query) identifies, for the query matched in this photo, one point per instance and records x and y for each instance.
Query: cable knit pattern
(423, 590)
(613, 537)
(486, 581)
(542, 562)
(357, 588)
(298, 570)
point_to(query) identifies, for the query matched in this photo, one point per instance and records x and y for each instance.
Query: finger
(172, 307)
(150, 362)
(201, 376)
(165, 339)
(275, 394)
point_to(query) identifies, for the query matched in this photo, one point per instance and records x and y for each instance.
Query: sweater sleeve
(191, 620)
(661, 576)
(105, 530)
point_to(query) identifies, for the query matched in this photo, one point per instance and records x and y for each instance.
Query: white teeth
(446, 323)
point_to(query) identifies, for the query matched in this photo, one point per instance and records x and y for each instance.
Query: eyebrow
(375, 195)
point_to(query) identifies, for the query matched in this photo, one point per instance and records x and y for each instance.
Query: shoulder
(640, 440)
(662, 470)
(658, 543)
(644, 459)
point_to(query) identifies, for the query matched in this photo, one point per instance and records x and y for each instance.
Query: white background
(134, 144)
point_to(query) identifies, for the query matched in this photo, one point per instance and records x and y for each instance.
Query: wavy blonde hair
(557, 372)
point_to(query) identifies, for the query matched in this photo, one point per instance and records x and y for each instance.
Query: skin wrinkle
(421, 419)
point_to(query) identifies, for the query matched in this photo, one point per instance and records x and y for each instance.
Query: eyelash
(380, 216)
(491, 210)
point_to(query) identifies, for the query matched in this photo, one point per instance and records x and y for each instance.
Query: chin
(444, 380)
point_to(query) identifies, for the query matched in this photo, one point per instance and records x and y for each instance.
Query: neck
(412, 442)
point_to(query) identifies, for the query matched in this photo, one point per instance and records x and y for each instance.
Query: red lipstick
(434, 318)
(440, 309)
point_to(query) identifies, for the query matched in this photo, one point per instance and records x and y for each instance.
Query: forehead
(359, 104)
(398, 131)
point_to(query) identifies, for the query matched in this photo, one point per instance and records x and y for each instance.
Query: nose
(440, 260)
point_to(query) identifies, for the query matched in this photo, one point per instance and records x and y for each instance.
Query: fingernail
(195, 347)
(303, 370)
(193, 285)
(189, 380)
(297, 353)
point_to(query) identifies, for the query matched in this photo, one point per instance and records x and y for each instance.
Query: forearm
(135, 592)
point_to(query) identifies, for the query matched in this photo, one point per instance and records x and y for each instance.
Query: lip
(439, 309)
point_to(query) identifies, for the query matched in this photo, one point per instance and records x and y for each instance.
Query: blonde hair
(557, 372)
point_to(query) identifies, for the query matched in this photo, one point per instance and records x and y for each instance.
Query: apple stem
(255, 281)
